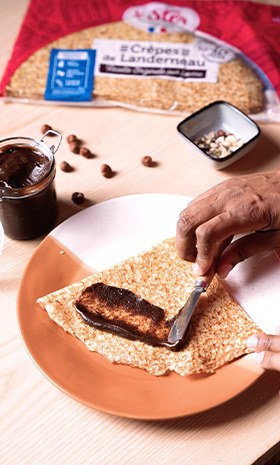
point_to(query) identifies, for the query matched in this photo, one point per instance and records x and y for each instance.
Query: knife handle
(209, 275)
(205, 280)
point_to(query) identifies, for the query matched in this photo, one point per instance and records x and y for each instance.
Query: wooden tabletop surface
(39, 424)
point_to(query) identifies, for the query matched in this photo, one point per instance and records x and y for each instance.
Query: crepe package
(155, 56)
(219, 326)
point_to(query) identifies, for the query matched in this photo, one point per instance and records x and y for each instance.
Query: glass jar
(28, 203)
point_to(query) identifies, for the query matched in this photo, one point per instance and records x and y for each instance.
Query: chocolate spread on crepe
(220, 327)
(121, 312)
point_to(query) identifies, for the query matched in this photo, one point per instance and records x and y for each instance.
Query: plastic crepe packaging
(173, 57)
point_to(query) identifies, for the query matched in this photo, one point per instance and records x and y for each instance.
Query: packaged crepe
(173, 57)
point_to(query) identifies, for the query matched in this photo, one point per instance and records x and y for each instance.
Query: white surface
(112, 231)
(255, 285)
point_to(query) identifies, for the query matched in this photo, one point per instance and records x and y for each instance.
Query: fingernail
(252, 342)
(224, 271)
(260, 357)
(196, 269)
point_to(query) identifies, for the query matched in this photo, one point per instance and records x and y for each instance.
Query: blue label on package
(71, 75)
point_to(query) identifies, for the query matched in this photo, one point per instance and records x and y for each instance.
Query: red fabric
(252, 27)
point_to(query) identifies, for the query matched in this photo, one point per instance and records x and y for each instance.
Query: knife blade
(179, 331)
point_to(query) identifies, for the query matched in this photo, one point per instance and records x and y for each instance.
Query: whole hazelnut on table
(66, 167)
(78, 198)
(74, 147)
(45, 128)
(106, 171)
(71, 138)
(85, 152)
(147, 161)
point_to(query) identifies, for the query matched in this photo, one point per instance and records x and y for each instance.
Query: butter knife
(179, 331)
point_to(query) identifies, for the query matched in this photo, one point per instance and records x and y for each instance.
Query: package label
(162, 17)
(168, 60)
(70, 76)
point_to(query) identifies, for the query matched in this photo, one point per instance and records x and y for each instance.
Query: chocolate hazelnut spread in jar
(28, 204)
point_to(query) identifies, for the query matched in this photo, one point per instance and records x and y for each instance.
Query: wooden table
(41, 425)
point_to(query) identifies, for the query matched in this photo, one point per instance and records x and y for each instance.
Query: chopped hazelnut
(219, 144)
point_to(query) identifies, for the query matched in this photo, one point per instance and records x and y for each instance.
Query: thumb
(268, 348)
(264, 342)
(245, 247)
(269, 360)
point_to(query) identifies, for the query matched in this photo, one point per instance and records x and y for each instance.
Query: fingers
(246, 247)
(235, 206)
(198, 235)
(213, 236)
(185, 240)
(269, 360)
(199, 230)
(264, 342)
(268, 348)
(189, 220)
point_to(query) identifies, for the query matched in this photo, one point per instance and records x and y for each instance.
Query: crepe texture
(219, 326)
(237, 82)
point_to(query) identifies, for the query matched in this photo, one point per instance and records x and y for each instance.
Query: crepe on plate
(219, 330)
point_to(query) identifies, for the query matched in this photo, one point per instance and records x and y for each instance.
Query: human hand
(268, 348)
(248, 204)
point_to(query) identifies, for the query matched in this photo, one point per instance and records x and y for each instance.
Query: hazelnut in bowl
(220, 133)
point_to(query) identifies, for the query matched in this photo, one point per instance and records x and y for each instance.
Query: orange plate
(93, 380)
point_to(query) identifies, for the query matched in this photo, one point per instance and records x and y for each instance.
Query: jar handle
(52, 148)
